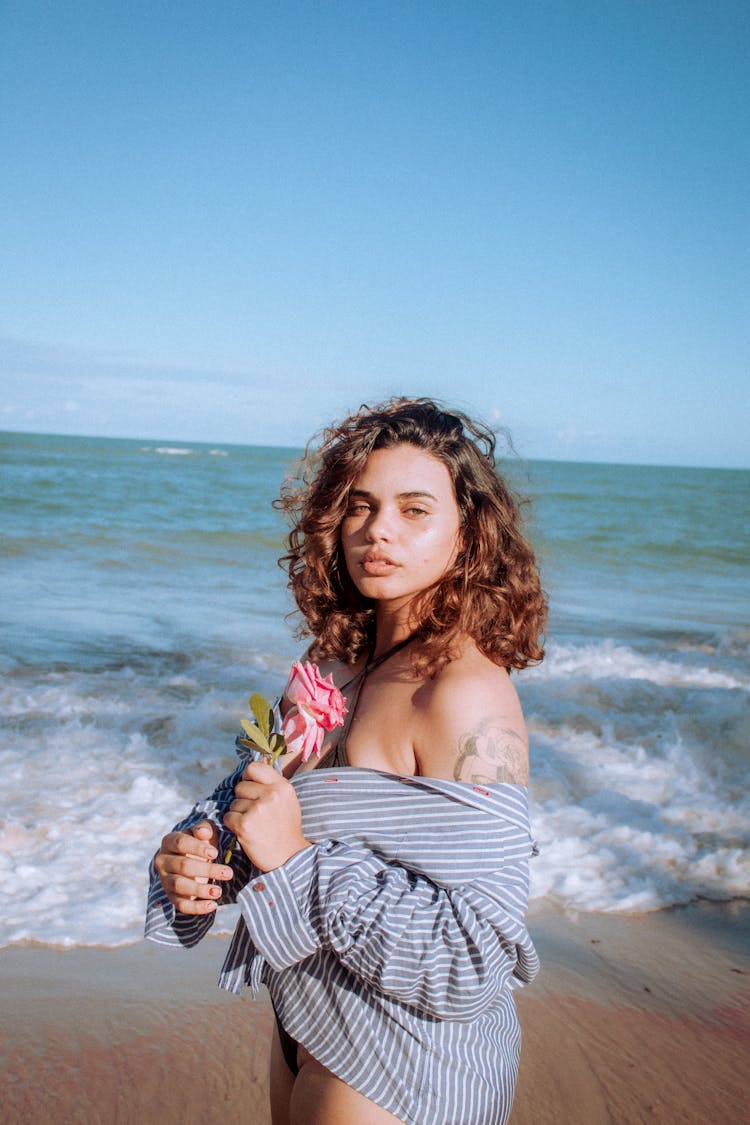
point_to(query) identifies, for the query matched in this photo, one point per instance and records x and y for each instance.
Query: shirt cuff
(275, 906)
(166, 927)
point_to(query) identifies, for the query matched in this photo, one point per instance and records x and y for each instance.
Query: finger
(237, 821)
(261, 773)
(183, 887)
(199, 869)
(205, 830)
(242, 804)
(172, 865)
(249, 790)
(185, 843)
(193, 906)
(233, 822)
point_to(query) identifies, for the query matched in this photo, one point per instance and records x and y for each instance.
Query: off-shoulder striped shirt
(391, 946)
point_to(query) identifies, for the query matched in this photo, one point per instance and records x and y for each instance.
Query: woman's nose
(379, 526)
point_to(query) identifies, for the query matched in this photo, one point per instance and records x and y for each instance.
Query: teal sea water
(142, 603)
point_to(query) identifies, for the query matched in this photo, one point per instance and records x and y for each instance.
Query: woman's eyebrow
(401, 495)
(417, 492)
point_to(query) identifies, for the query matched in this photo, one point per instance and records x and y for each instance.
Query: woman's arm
(182, 897)
(471, 728)
(446, 951)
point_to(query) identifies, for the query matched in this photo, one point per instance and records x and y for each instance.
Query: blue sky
(235, 221)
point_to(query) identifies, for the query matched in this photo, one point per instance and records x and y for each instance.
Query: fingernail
(211, 853)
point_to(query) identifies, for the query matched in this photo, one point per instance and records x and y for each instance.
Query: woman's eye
(416, 511)
(357, 509)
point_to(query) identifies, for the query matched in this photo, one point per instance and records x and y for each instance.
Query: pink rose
(318, 693)
(318, 706)
(301, 732)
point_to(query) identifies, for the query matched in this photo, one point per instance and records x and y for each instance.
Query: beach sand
(632, 1019)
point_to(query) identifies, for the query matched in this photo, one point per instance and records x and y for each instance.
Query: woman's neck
(391, 628)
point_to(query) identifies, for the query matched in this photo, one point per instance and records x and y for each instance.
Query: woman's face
(401, 531)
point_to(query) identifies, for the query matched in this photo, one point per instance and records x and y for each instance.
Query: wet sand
(632, 1019)
(638, 1019)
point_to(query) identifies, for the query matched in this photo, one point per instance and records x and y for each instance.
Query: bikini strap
(337, 756)
(373, 664)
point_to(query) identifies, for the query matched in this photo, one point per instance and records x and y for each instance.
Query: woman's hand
(186, 869)
(265, 817)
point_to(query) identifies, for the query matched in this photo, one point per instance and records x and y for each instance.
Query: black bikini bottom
(288, 1047)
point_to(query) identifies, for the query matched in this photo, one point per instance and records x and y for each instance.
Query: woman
(383, 886)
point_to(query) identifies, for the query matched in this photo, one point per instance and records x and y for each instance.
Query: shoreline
(632, 1018)
(637, 1018)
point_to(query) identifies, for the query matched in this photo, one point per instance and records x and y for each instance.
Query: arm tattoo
(492, 753)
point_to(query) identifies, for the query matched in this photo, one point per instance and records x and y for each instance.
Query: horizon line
(299, 449)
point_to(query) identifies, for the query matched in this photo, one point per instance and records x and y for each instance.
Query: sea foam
(142, 605)
(101, 763)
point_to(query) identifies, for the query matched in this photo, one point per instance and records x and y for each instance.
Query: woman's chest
(380, 733)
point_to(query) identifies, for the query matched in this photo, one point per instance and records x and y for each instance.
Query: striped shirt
(391, 946)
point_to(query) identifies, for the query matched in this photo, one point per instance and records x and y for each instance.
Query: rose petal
(306, 687)
(302, 732)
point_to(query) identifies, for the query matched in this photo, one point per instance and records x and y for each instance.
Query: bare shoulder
(336, 669)
(471, 725)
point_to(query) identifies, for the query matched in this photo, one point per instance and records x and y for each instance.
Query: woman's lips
(376, 565)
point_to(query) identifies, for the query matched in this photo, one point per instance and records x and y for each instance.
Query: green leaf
(261, 708)
(256, 736)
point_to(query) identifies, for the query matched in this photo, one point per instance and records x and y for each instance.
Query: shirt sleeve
(445, 951)
(163, 924)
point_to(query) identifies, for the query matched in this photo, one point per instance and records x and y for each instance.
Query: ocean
(141, 605)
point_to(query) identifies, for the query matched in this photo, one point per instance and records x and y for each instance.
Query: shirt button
(259, 886)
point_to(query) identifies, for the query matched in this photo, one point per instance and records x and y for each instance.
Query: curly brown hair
(492, 592)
